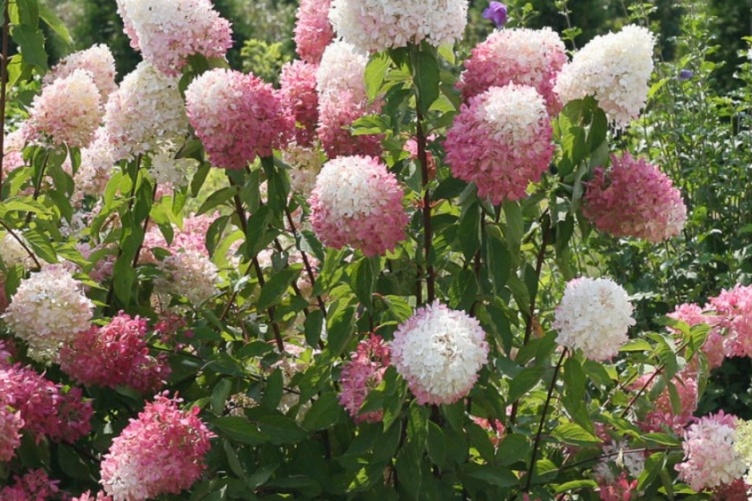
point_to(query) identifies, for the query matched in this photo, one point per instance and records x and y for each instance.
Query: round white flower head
(342, 69)
(613, 68)
(189, 274)
(145, 111)
(594, 315)
(439, 352)
(48, 309)
(375, 25)
(97, 161)
(97, 60)
(167, 169)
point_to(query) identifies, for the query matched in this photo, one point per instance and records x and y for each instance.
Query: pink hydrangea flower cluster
(734, 318)
(88, 496)
(376, 25)
(521, 56)
(13, 146)
(634, 199)
(298, 92)
(237, 117)
(738, 490)
(144, 113)
(161, 452)
(360, 375)
(11, 423)
(48, 309)
(620, 489)
(32, 486)
(67, 112)
(97, 60)
(358, 202)
(594, 316)
(439, 352)
(501, 141)
(169, 31)
(613, 68)
(713, 347)
(661, 414)
(191, 237)
(188, 274)
(114, 355)
(710, 459)
(45, 408)
(313, 32)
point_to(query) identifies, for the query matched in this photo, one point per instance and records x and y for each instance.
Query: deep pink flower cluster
(734, 317)
(191, 237)
(634, 199)
(337, 112)
(11, 423)
(738, 490)
(33, 486)
(44, 407)
(501, 141)
(298, 92)
(88, 496)
(520, 56)
(713, 347)
(620, 489)
(169, 31)
(161, 452)
(358, 202)
(661, 414)
(361, 374)
(237, 117)
(313, 32)
(115, 355)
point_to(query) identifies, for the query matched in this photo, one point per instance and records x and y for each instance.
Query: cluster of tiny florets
(115, 355)
(48, 309)
(313, 32)
(501, 141)
(733, 318)
(161, 452)
(97, 161)
(376, 25)
(360, 375)
(305, 165)
(97, 60)
(713, 347)
(169, 31)
(613, 68)
(358, 202)
(594, 316)
(237, 117)
(633, 198)
(298, 92)
(188, 274)
(661, 415)
(521, 56)
(439, 352)
(144, 112)
(35, 485)
(67, 112)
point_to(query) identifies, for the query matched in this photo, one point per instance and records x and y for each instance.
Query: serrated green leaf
(525, 381)
(30, 40)
(574, 434)
(376, 71)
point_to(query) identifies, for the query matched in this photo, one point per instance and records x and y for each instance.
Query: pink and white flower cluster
(501, 141)
(313, 32)
(594, 316)
(161, 452)
(520, 56)
(189, 274)
(169, 31)
(298, 91)
(360, 375)
(635, 199)
(237, 117)
(358, 202)
(115, 355)
(97, 60)
(439, 351)
(48, 309)
(613, 68)
(376, 25)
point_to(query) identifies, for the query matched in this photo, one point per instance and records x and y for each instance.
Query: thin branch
(23, 244)
(427, 232)
(306, 262)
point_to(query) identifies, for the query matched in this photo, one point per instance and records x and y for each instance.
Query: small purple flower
(496, 12)
(685, 74)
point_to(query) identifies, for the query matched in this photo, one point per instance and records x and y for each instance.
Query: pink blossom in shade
(621, 489)
(313, 32)
(713, 347)
(336, 115)
(115, 355)
(521, 56)
(161, 452)
(237, 117)
(88, 496)
(67, 112)
(634, 199)
(298, 92)
(734, 316)
(74, 415)
(32, 486)
(358, 202)
(495, 428)
(735, 491)
(661, 414)
(360, 375)
(97, 60)
(191, 237)
(169, 31)
(710, 459)
(11, 423)
(501, 141)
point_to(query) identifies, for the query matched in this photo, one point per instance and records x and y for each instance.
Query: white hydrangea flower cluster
(613, 68)
(189, 274)
(146, 111)
(97, 60)
(342, 69)
(375, 25)
(439, 352)
(97, 161)
(12, 252)
(306, 164)
(594, 315)
(167, 169)
(48, 309)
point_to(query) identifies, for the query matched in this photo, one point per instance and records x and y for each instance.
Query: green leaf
(480, 440)
(468, 230)
(123, 279)
(273, 390)
(426, 77)
(574, 434)
(281, 430)
(274, 289)
(340, 328)
(220, 394)
(31, 42)
(217, 198)
(363, 279)
(324, 413)
(72, 463)
(240, 429)
(653, 466)
(492, 475)
(514, 225)
(376, 71)
(436, 444)
(576, 485)
(54, 22)
(313, 326)
(40, 244)
(515, 447)
(524, 382)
